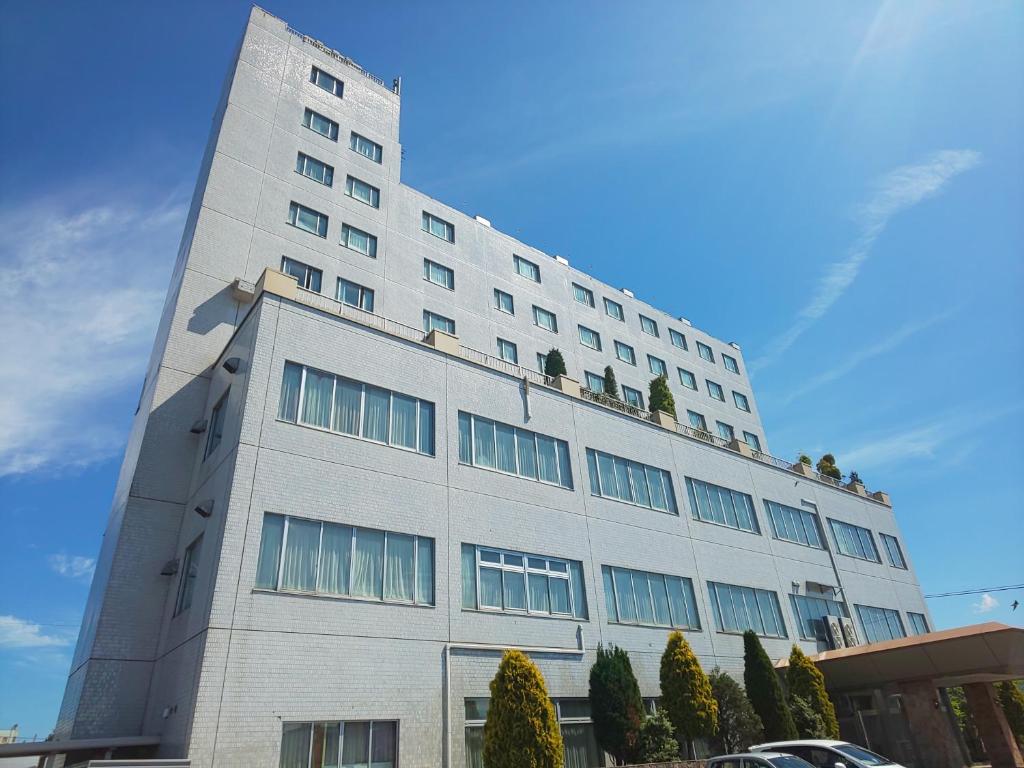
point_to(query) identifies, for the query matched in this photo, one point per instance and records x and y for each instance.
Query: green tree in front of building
(809, 724)
(615, 704)
(658, 742)
(554, 364)
(521, 730)
(686, 693)
(765, 691)
(965, 721)
(806, 681)
(1012, 701)
(611, 386)
(660, 396)
(738, 723)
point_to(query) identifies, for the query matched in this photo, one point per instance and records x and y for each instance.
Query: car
(761, 760)
(828, 753)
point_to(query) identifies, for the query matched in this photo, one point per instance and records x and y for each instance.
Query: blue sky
(836, 187)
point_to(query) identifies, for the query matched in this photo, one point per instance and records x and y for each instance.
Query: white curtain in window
(490, 587)
(581, 749)
(425, 571)
(427, 428)
(548, 459)
(515, 589)
(483, 434)
(399, 574)
(270, 551)
(474, 746)
(559, 590)
(465, 439)
(288, 407)
(382, 745)
(527, 448)
(403, 421)
(295, 745)
(355, 745)
(375, 419)
(506, 448)
(316, 401)
(367, 567)
(335, 559)
(539, 600)
(328, 736)
(346, 406)
(300, 555)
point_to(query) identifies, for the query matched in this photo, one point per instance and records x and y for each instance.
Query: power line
(976, 591)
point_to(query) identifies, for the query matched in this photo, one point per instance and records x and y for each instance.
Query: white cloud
(986, 604)
(80, 294)
(18, 633)
(74, 567)
(897, 191)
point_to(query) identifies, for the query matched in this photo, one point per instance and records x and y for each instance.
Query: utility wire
(976, 591)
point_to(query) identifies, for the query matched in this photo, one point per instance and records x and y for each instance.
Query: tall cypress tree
(765, 692)
(615, 704)
(685, 691)
(660, 396)
(611, 386)
(554, 364)
(521, 727)
(806, 681)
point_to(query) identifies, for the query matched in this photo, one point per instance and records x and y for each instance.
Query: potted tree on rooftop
(663, 405)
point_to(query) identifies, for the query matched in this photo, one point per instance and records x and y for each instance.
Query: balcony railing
(611, 402)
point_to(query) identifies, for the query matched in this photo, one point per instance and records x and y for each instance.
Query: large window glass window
(614, 477)
(812, 613)
(189, 572)
(715, 390)
(752, 440)
(439, 274)
(510, 581)
(791, 524)
(329, 83)
(648, 326)
(854, 541)
(687, 379)
(432, 321)
(314, 169)
(320, 124)
(880, 623)
(349, 744)
(318, 399)
(504, 302)
(892, 551)
(725, 431)
(697, 420)
(307, 219)
(918, 623)
(677, 339)
(633, 397)
(358, 240)
(526, 268)
(657, 366)
(614, 309)
(507, 351)
(438, 227)
(738, 609)
(355, 295)
(594, 382)
(583, 295)
(705, 352)
(730, 363)
(504, 448)
(365, 147)
(741, 401)
(363, 192)
(715, 504)
(590, 338)
(654, 599)
(625, 353)
(306, 276)
(542, 318)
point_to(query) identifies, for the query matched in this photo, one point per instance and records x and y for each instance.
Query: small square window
(730, 363)
(614, 309)
(329, 83)
(657, 366)
(433, 321)
(705, 352)
(725, 431)
(625, 353)
(314, 169)
(716, 391)
(507, 351)
(697, 421)
(526, 268)
(544, 319)
(590, 338)
(438, 227)
(678, 339)
(360, 241)
(595, 383)
(307, 219)
(306, 276)
(504, 302)
(365, 147)
(355, 295)
(583, 295)
(438, 274)
(752, 440)
(741, 401)
(363, 192)
(687, 379)
(320, 124)
(648, 326)
(633, 396)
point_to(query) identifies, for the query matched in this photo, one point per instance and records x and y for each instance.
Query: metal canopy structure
(30, 748)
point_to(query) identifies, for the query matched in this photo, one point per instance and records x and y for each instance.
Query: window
(614, 309)
(648, 326)
(526, 268)
(542, 362)
(590, 338)
(359, 241)
(880, 623)
(738, 609)
(697, 421)
(314, 169)
(301, 555)
(633, 397)
(715, 390)
(355, 295)
(352, 744)
(215, 431)
(741, 401)
(306, 276)
(811, 615)
(791, 524)
(503, 302)
(365, 147)
(730, 363)
(678, 340)
(438, 227)
(189, 572)
(363, 192)
(433, 321)
(595, 383)
(752, 440)
(307, 219)
(892, 551)
(613, 477)
(715, 504)
(438, 274)
(657, 366)
(705, 352)
(514, 451)
(507, 351)
(583, 295)
(918, 623)
(653, 599)
(854, 541)
(544, 319)
(687, 379)
(504, 580)
(725, 431)
(625, 353)
(329, 83)
(320, 124)
(318, 399)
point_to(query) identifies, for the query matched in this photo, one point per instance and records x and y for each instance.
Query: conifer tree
(685, 692)
(521, 730)
(765, 692)
(738, 723)
(554, 364)
(611, 386)
(615, 704)
(808, 723)
(660, 396)
(658, 740)
(806, 681)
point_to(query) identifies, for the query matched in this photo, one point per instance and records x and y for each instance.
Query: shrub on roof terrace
(554, 364)
(660, 396)
(611, 386)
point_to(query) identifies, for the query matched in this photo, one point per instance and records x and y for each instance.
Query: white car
(826, 753)
(760, 760)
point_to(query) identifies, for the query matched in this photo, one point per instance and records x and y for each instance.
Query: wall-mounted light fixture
(232, 364)
(205, 509)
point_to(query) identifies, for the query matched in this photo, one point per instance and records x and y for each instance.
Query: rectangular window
(307, 219)
(514, 451)
(880, 624)
(738, 609)
(365, 147)
(614, 309)
(305, 275)
(752, 440)
(355, 295)
(438, 274)
(504, 302)
(320, 124)
(432, 321)
(657, 366)
(613, 477)
(918, 623)
(725, 431)
(678, 340)
(892, 551)
(352, 744)
(526, 268)
(542, 362)
(215, 432)
(507, 351)
(363, 192)
(715, 390)
(633, 397)
(705, 352)
(854, 541)
(359, 241)
(652, 599)
(625, 353)
(697, 421)
(329, 83)
(544, 319)
(583, 295)
(791, 524)
(687, 379)
(723, 506)
(314, 169)
(812, 614)
(301, 555)
(189, 572)
(318, 399)
(438, 227)
(730, 363)
(648, 326)
(590, 338)
(741, 401)
(595, 383)
(518, 582)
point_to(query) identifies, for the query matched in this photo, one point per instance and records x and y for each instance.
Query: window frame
(304, 161)
(737, 397)
(526, 569)
(884, 615)
(703, 422)
(346, 240)
(540, 311)
(705, 352)
(342, 724)
(890, 542)
(587, 379)
(619, 346)
(918, 627)
(622, 468)
(428, 325)
(428, 270)
(356, 140)
(187, 581)
(714, 386)
(588, 295)
(619, 314)
(498, 294)
(731, 364)
(697, 509)
(679, 336)
(503, 345)
(295, 208)
(692, 385)
(308, 273)
(725, 431)
(633, 397)
(351, 183)
(518, 261)
(608, 573)
(649, 326)
(530, 438)
(337, 85)
(719, 615)
(594, 334)
(215, 430)
(787, 516)
(801, 616)
(363, 293)
(447, 228)
(853, 534)
(755, 444)
(651, 360)
(333, 128)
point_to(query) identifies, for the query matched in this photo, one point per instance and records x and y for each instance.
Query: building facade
(348, 485)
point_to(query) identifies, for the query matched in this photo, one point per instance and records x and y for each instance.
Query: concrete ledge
(662, 419)
(857, 488)
(443, 342)
(567, 386)
(804, 469)
(881, 496)
(278, 283)
(243, 291)
(741, 448)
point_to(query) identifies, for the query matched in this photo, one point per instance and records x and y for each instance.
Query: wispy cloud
(986, 604)
(74, 567)
(897, 191)
(80, 294)
(19, 633)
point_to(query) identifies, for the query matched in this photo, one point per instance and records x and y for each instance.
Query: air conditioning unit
(849, 632)
(834, 630)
